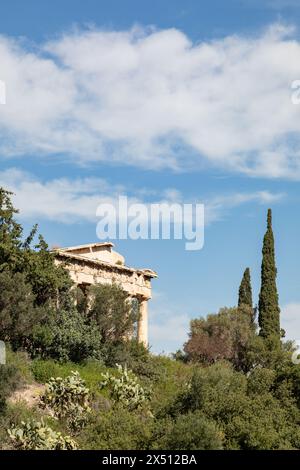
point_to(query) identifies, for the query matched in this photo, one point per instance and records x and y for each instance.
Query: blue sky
(163, 100)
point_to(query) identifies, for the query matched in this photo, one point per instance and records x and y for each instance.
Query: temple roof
(87, 245)
(106, 258)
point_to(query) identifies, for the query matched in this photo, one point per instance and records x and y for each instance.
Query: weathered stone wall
(134, 282)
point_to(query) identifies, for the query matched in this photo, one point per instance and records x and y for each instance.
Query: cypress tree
(269, 312)
(245, 290)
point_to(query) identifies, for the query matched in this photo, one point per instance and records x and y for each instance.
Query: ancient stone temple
(98, 263)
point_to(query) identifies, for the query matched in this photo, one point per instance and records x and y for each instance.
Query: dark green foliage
(260, 381)
(245, 290)
(248, 412)
(266, 352)
(48, 282)
(135, 356)
(117, 429)
(44, 331)
(99, 327)
(66, 336)
(18, 314)
(269, 311)
(141, 362)
(288, 379)
(213, 390)
(192, 431)
(113, 312)
(36, 308)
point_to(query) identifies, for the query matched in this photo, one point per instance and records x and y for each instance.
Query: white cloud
(170, 334)
(61, 200)
(217, 207)
(168, 327)
(154, 99)
(68, 201)
(290, 320)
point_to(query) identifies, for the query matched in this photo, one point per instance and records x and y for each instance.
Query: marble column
(142, 332)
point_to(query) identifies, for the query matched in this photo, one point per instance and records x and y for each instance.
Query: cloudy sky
(173, 101)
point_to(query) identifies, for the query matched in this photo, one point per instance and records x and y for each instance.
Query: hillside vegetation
(73, 381)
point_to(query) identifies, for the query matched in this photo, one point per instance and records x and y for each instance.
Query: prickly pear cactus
(124, 388)
(35, 435)
(68, 399)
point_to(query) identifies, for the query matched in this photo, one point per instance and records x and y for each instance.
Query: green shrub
(217, 390)
(288, 376)
(260, 380)
(49, 282)
(90, 371)
(137, 358)
(66, 336)
(35, 435)
(113, 312)
(125, 389)
(192, 431)
(173, 376)
(263, 423)
(68, 399)
(246, 410)
(117, 429)
(18, 315)
(43, 370)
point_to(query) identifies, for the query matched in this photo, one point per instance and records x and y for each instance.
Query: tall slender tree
(245, 290)
(268, 307)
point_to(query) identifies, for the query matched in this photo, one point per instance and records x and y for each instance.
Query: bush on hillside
(113, 312)
(192, 431)
(250, 416)
(66, 336)
(18, 315)
(117, 429)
